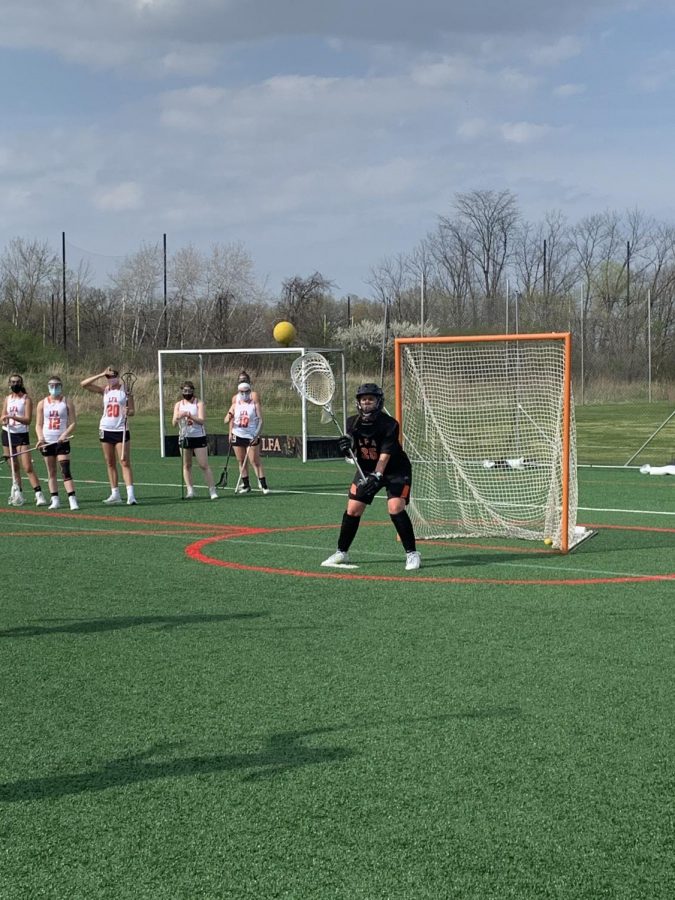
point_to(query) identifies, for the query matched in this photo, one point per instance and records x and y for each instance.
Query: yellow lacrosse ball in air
(284, 333)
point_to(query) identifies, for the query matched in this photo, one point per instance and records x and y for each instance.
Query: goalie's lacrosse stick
(128, 381)
(312, 377)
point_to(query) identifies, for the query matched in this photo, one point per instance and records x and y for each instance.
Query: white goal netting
(215, 375)
(483, 422)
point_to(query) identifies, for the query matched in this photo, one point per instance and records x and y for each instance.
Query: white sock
(130, 492)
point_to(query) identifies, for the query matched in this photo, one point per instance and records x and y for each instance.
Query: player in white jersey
(16, 416)
(113, 433)
(54, 424)
(245, 420)
(190, 416)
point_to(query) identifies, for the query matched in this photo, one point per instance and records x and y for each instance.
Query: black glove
(370, 485)
(345, 444)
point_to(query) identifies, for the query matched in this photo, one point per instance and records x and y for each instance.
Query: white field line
(639, 512)
(255, 540)
(343, 493)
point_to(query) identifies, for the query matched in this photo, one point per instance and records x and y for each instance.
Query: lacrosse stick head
(313, 378)
(129, 380)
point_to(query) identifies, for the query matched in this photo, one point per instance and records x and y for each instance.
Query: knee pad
(65, 469)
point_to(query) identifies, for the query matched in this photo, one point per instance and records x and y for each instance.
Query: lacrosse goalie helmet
(374, 390)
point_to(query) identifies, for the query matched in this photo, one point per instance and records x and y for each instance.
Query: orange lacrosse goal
(488, 423)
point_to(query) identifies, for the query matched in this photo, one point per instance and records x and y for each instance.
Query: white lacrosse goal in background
(488, 423)
(214, 373)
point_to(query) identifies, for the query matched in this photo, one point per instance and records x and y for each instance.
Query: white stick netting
(482, 423)
(313, 378)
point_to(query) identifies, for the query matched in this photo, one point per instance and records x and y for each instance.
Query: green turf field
(193, 708)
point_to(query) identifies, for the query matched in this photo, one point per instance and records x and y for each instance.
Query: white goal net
(215, 375)
(488, 424)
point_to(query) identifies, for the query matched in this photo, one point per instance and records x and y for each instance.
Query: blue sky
(324, 136)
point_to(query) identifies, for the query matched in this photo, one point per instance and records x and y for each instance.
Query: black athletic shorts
(60, 448)
(243, 441)
(193, 443)
(113, 437)
(18, 440)
(397, 485)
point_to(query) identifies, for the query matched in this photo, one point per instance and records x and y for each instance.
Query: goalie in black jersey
(373, 437)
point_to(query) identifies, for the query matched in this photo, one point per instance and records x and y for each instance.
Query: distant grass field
(193, 707)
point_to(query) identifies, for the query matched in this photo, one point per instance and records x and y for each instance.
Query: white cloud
(471, 129)
(119, 198)
(445, 72)
(524, 132)
(569, 90)
(564, 48)
(120, 33)
(657, 73)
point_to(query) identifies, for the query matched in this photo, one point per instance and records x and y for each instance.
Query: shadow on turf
(473, 560)
(93, 626)
(284, 751)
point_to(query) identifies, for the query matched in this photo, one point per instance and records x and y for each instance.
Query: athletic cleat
(132, 501)
(412, 560)
(40, 499)
(55, 504)
(213, 495)
(113, 499)
(339, 558)
(243, 489)
(73, 503)
(190, 495)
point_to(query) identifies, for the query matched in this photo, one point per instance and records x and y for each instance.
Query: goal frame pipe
(566, 338)
(245, 351)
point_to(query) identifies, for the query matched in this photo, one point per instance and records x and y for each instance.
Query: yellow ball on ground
(548, 542)
(284, 333)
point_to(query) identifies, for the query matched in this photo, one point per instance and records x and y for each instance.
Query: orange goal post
(488, 423)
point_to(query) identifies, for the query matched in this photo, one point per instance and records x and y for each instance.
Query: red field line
(194, 551)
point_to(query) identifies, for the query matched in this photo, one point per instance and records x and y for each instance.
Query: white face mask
(55, 390)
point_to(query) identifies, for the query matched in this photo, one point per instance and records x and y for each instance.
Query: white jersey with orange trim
(54, 418)
(114, 409)
(16, 406)
(246, 421)
(188, 426)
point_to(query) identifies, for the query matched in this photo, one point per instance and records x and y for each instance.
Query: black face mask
(16, 387)
(188, 395)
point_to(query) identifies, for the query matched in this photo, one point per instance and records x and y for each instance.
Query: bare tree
(302, 302)
(230, 283)
(137, 281)
(484, 226)
(188, 275)
(27, 268)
